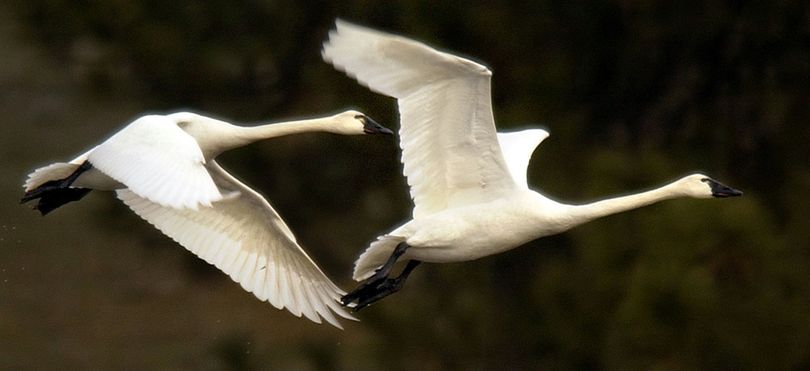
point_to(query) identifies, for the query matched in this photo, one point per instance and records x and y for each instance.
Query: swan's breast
(472, 232)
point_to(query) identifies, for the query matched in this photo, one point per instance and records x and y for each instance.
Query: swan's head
(357, 123)
(702, 186)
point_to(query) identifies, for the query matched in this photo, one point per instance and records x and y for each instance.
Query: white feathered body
(163, 167)
(475, 231)
(471, 232)
(467, 181)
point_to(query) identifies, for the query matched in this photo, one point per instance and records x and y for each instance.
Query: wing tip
(342, 24)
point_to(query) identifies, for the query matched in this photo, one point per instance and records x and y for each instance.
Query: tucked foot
(366, 286)
(385, 288)
(55, 193)
(376, 288)
(52, 198)
(365, 289)
(370, 284)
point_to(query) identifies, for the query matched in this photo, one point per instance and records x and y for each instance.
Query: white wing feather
(157, 160)
(517, 148)
(245, 238)
(450, 152)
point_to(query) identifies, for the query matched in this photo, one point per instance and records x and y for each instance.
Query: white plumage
(155, 158)
(517, 148)
(244, 237)
(163, 168)
(468, 184)
(445, 110)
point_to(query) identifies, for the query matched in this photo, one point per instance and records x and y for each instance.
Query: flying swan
(163, 168)
(468, 183)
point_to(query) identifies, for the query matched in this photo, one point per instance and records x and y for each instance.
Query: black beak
(721, 190)
(372, 127)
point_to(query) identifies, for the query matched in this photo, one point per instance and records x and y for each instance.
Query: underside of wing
(157, 160)
(245, 238)
(450, 151)
(517, 148)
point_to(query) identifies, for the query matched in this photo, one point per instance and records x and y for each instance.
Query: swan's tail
(375, 256)
(52, 186)
(55, 171)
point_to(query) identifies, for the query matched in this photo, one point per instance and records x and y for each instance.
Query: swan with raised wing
(163, 167)
(468, 183)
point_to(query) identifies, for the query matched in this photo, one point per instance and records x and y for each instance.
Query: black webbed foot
(365, 289)
(377, 287)
(370, 284)
(52, 198)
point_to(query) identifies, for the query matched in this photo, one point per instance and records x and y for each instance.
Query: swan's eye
(360, 118)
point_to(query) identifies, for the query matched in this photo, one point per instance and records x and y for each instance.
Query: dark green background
(635, 94)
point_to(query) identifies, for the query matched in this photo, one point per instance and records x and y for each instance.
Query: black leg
(369, 284)
(75, 175)
(385, 270)
(387, 286)
(379, 285)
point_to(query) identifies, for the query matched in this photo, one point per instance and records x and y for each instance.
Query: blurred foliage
(634, 93)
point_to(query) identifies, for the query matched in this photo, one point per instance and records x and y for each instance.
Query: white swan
(470, 194)
(163, 168)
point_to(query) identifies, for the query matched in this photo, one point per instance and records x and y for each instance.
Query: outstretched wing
(158, 161)
(450, 152)
(245, 238)
(517, 148)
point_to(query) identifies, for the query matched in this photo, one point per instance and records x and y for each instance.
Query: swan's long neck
(228, 136)
(615, 205)
(256, 133)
